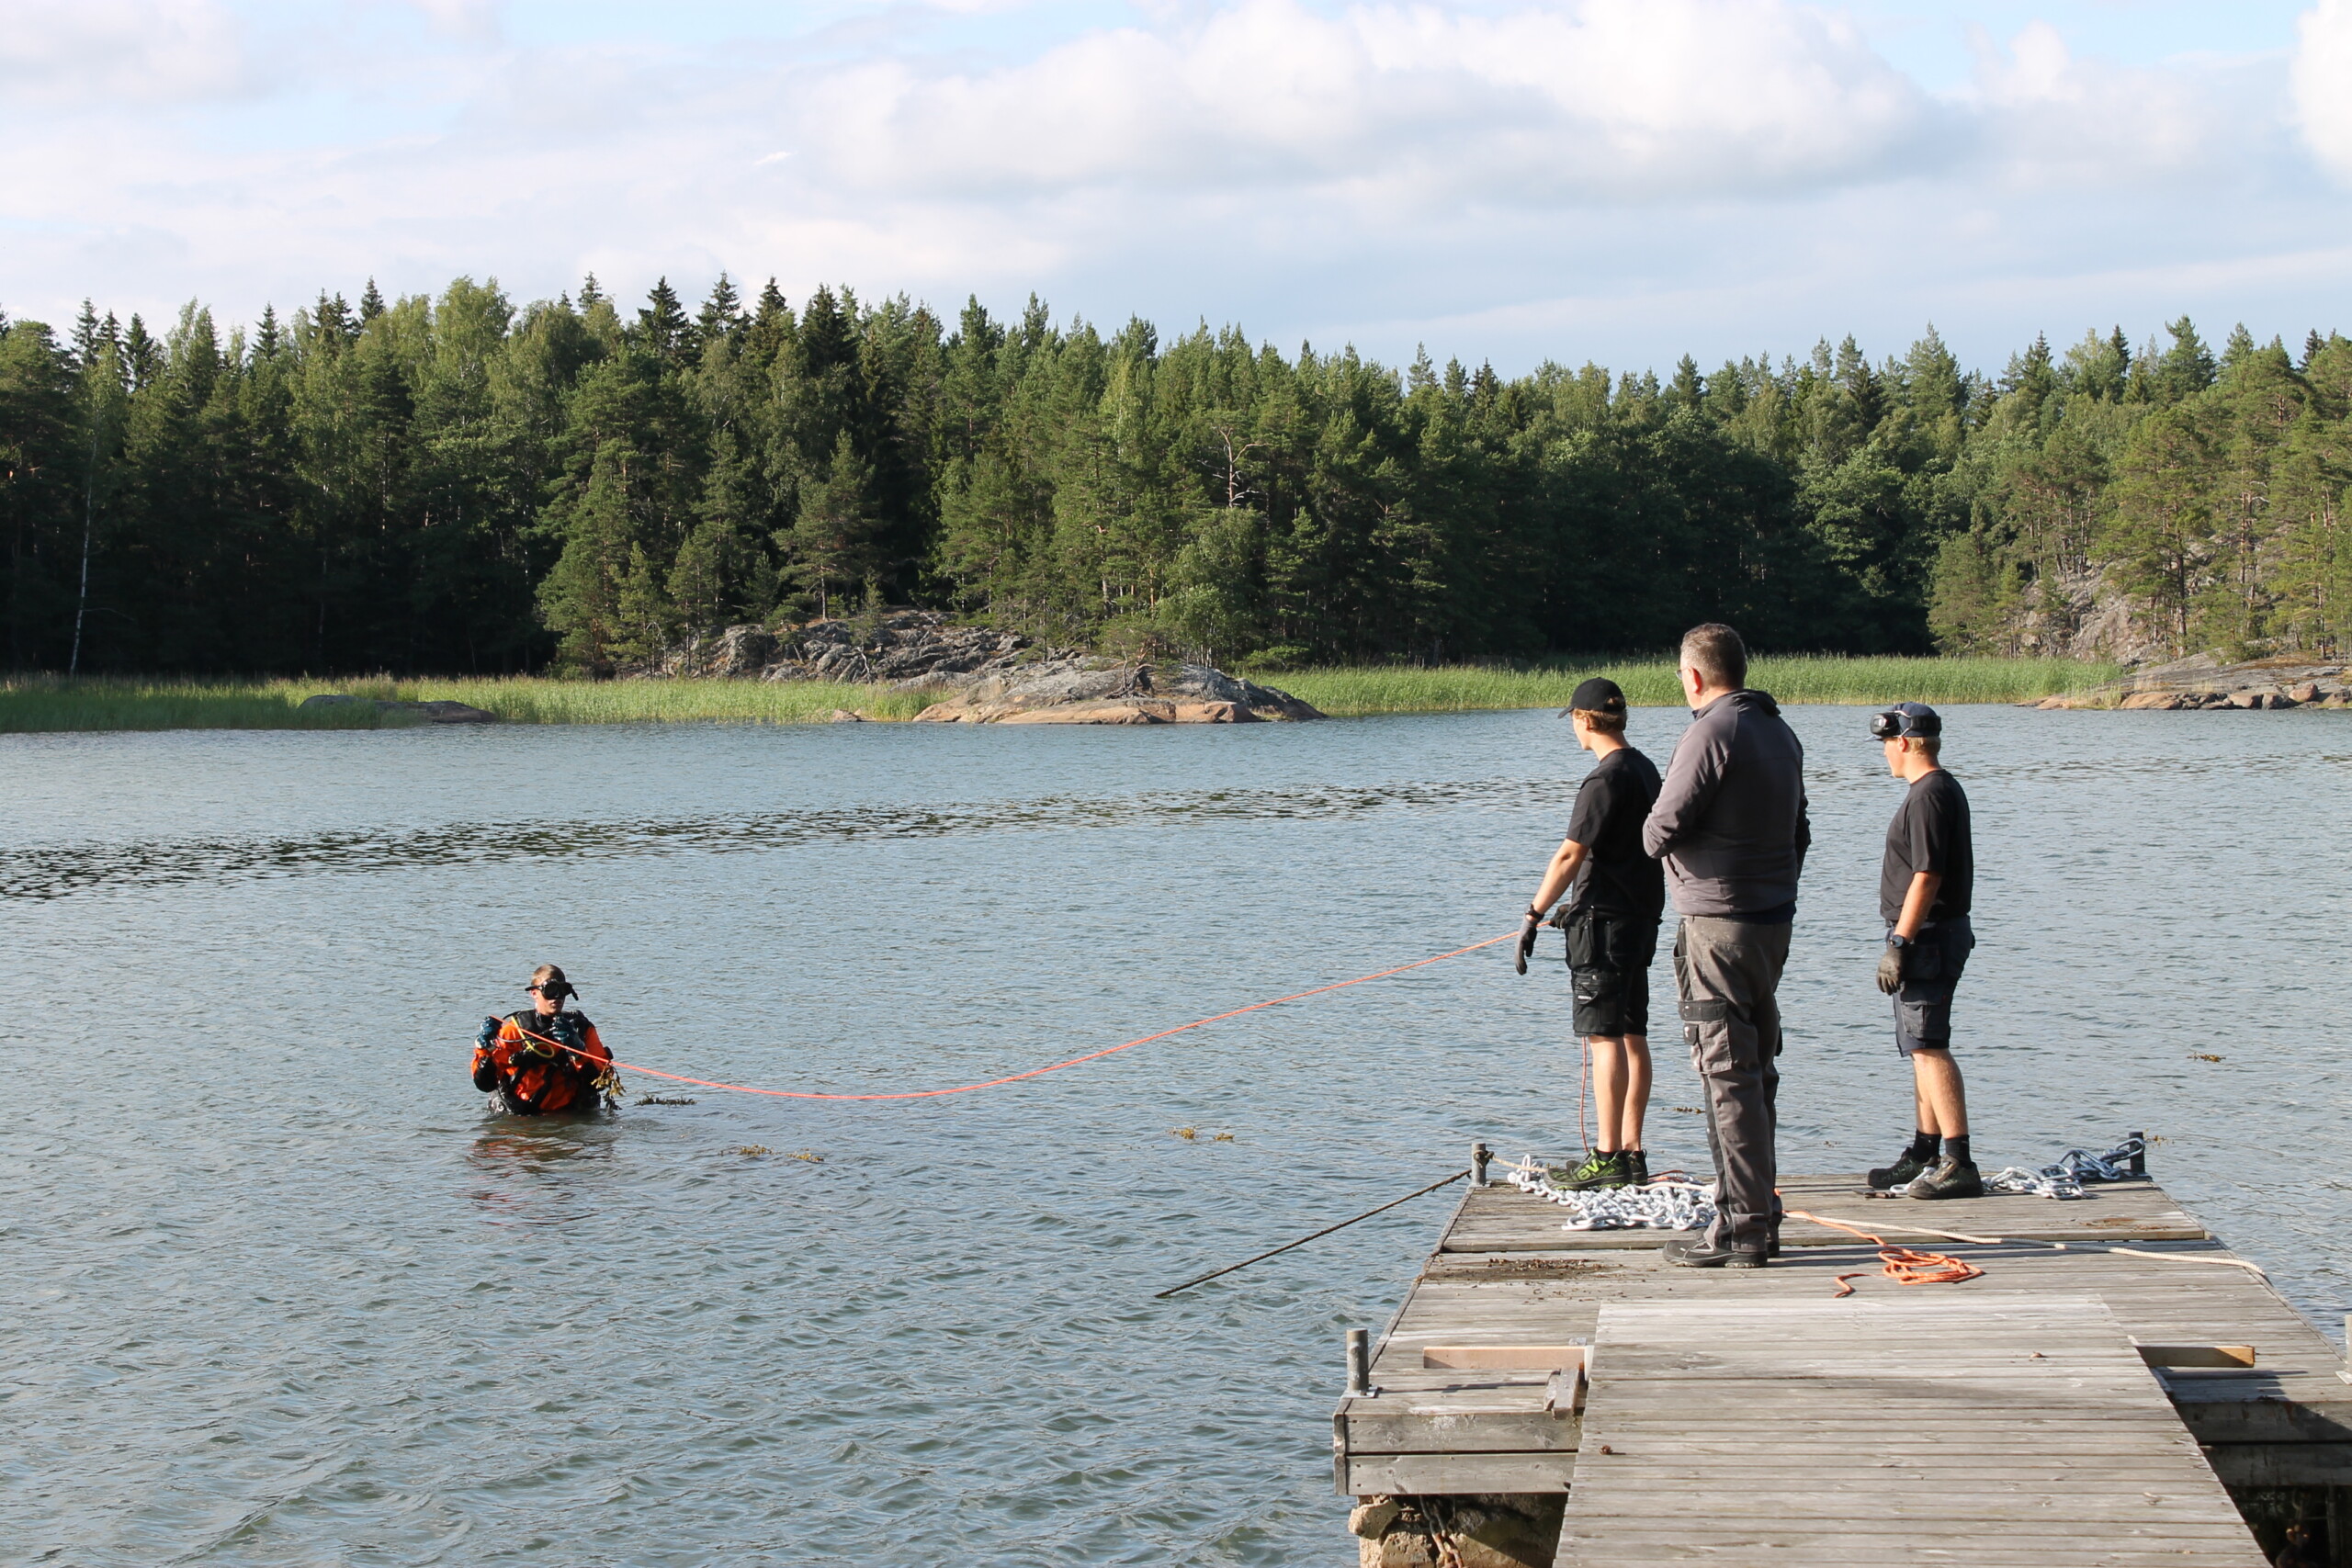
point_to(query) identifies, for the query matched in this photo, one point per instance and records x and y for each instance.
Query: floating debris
(1691, 1109)
(663, 1099)
(754, 1149)
(2203, 1056)
(809, 1155)
(1187, 1134)
(1222, 1138)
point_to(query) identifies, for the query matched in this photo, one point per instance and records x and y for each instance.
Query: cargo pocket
(1721, 1044)
(1584, 941)
(1929, 1023)
(1594, 986)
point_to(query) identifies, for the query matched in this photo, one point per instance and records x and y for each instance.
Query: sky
(1513, 181)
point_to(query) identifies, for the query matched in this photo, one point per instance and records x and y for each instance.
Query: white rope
(1660, 1206)
(2064, 1178)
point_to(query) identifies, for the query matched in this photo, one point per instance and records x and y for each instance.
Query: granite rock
(1091, 689)
(430, 713)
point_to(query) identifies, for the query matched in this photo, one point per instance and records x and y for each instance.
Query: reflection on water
(50, 873)
(522, 1163)
(284, 1291)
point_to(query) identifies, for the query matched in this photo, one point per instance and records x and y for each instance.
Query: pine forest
(462, 486)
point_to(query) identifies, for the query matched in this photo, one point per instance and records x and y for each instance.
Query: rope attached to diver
(1038, 1072)
(1901, 1264)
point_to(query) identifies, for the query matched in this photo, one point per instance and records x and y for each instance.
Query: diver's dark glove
(1527, 929)
(1889, 965)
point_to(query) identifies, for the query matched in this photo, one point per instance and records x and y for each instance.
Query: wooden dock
(2074, 1405)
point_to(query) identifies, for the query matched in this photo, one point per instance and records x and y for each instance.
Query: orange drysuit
(541, 1063)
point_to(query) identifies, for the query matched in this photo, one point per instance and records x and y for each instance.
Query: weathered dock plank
(1505, 1273)
(1862, 1391)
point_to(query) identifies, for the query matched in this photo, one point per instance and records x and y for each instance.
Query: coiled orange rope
(1038, 1072)
(1901, 1264)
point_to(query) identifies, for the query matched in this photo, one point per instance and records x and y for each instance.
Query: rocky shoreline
(995, 677)
(2203, 681)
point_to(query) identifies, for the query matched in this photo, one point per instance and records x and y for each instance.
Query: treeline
(459, 485)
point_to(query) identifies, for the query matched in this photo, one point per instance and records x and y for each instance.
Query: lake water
(282, 1291)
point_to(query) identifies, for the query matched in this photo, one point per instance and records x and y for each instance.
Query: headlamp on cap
(1904, 721)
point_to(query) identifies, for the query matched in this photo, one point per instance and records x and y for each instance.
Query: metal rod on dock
(1479, 1155)
(2139, 1157)
(1359, 1363)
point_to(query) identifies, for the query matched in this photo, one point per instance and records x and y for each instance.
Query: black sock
(1957, 1148)
(1922, 1145)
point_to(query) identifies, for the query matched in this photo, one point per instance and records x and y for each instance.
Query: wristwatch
(1897, 941)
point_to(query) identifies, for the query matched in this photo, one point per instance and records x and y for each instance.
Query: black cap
(1906, 719)
(1599, 695)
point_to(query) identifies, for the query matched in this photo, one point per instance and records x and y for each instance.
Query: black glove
(1527, 929)
(1891, 965)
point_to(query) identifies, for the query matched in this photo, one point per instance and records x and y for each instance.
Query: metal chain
(2064, 1178)
(1660, 1206)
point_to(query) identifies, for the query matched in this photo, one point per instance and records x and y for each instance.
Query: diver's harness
(557, 1040)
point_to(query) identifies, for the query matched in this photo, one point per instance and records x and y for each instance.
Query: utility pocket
(1586, 938)
(1722, 1043)
(1593, 984)
(1927, 1021)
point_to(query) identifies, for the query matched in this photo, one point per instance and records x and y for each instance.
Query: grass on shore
(1349, 691)
(29, 704)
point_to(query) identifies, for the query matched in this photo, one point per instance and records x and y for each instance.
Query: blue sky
(1513, 180)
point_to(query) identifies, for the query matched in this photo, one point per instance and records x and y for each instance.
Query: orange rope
(1036, 1072)
(1900, 1264)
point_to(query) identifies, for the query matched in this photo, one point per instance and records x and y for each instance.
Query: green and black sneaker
(1907, 1168)
(1598, 1170)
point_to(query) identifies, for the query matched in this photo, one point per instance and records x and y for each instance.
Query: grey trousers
(1727, 972)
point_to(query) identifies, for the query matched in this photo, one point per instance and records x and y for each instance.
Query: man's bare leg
(1620, 1088)
(1943, 1100)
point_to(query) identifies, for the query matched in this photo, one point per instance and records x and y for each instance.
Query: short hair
(1930, 746)
(1715, 651)
(1602, 720)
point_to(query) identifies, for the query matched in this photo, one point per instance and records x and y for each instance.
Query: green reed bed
(50, 703)
(1349, 690)
(30, 704)
(532, 700)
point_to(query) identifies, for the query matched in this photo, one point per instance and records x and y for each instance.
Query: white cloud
(2051, 118)
(122, 52)
(1634, 97)
(2322, 81)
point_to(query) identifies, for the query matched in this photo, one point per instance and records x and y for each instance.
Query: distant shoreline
(54, 705)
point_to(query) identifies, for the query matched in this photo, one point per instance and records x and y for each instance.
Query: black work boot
(1598, 1170)
(1698, 1252)
(1951, 1178)
(1907, 1168)
(1637, 1166)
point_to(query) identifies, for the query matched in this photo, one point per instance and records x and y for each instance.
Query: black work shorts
(1932, 973)
(1608, 969)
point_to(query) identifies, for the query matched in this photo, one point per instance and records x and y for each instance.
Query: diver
(546, 1060)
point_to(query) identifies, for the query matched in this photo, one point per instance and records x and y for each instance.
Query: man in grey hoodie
(1730, 824)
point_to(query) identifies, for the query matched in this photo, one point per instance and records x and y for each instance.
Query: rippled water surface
(282, 1291)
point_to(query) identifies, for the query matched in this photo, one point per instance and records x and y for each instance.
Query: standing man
(1730, 824)
(1616, 894)
(1925, 886)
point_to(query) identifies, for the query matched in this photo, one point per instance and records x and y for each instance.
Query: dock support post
(1359, 1363)
(1479, 1155)
(2139, 1160)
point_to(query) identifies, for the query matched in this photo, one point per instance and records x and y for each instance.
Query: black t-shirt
(1616, 877)
(1929, 833)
